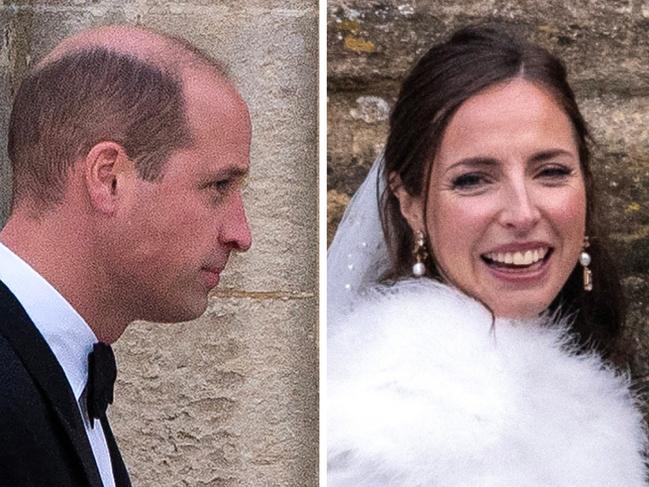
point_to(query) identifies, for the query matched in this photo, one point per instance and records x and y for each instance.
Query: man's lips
(211, 275)
(216, 269)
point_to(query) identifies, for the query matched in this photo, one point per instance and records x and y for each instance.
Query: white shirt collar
(64, 330)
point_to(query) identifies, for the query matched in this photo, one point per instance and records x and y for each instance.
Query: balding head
(118, 83)
(164, 51)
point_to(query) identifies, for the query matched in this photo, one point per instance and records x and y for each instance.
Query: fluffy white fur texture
(423, 391)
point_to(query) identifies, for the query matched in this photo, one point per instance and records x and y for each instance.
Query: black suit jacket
(42, 438)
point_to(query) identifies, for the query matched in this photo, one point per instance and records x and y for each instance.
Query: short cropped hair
(64, 108)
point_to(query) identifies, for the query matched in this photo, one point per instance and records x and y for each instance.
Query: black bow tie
(102, 373)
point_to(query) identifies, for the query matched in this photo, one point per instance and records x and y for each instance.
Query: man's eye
(243, 182)
(221, 185)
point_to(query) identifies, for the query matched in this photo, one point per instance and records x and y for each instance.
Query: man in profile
(128, 150)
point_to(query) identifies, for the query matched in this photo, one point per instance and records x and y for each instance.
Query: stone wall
(232, 398)
(605, 45)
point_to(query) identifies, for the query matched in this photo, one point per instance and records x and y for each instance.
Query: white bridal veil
(358, 255)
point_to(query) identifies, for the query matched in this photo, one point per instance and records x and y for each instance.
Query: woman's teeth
(525, 258)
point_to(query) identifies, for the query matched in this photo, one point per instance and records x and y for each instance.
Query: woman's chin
(520, 307)
(519, 293)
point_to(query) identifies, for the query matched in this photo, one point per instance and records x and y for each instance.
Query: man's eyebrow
(231, 172)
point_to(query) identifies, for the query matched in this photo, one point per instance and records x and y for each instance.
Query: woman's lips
(517, 259)
(521, 266)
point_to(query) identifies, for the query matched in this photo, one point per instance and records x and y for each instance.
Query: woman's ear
(108, 176)
(412, 207)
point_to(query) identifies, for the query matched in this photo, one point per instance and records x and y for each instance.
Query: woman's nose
(520, 208)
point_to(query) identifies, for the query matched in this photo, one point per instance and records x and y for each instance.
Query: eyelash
(469, 181)
(555, 172)
(220, 187)
(474, 180)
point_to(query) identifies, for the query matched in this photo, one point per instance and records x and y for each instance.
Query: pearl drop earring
(585, 260)
(420, 253)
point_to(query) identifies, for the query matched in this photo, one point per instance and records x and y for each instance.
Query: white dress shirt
(68, 336)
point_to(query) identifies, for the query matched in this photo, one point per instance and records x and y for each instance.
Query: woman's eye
(469, 181)
(555, 173)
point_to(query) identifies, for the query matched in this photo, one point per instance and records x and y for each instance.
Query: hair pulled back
(472, 60)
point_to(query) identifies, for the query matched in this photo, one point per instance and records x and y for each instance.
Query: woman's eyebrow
(480, 161)
(477, 161)
(550, 154)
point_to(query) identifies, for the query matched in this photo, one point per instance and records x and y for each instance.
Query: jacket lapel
(46, 372)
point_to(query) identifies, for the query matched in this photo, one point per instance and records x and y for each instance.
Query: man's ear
(412, 207)
(108, 175)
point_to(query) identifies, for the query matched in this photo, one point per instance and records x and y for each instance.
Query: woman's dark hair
(473, 59)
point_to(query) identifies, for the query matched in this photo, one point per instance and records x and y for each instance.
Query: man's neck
(59, 253)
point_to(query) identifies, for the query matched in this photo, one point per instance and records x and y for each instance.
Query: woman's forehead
(513, 116)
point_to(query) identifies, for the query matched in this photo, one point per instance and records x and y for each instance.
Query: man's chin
(186, 311)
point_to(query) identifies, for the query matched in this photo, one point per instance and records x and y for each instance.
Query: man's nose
(520, 210)
(237, 230)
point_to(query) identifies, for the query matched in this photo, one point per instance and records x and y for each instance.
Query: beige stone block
(228, 399)
(378, 39)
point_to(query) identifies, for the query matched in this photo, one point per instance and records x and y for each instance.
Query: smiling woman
(486, 97)
(506, 203)
(485, 195)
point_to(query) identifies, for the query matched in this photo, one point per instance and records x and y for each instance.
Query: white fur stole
(424, 391)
